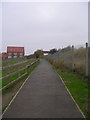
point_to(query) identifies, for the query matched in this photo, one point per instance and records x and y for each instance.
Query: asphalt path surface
(43, 96)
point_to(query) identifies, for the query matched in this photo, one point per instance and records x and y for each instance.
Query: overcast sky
(44, 25)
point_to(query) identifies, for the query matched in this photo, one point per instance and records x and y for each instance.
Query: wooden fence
(21, 67)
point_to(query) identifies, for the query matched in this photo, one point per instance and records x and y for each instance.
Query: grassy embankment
(77, 85)
(12, 69)
(8, 94)
(6, 62)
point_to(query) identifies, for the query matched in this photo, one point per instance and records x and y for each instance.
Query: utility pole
(72, 57)
(86, 59)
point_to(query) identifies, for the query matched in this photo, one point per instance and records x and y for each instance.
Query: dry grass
(65, 60)
(59, 64)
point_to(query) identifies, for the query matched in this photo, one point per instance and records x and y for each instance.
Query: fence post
(18, 68)
(26, 66)
(8, 73)
(86, 59)
(72, 57)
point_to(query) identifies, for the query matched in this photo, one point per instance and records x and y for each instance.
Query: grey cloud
(44, 25)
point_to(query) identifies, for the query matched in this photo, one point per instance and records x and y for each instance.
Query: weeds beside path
(8, 94)
(43, 96)
(76, 83)
(78, 87)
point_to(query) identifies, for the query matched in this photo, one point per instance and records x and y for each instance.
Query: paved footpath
(43, 96)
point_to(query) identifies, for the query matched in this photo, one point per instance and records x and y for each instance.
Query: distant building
(15, 52)
(46, 53)
(4, 55)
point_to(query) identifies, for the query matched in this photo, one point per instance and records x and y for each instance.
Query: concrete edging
(15, 95)
(17, 92)
(70, 95)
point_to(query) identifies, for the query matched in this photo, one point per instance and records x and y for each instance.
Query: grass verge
(16, 67)
(78, 87)
(9, 93)
(13, 77)
(76, 83)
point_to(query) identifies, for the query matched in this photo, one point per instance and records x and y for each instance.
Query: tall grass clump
(59, 64)
(62, 59)
(80, 60)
